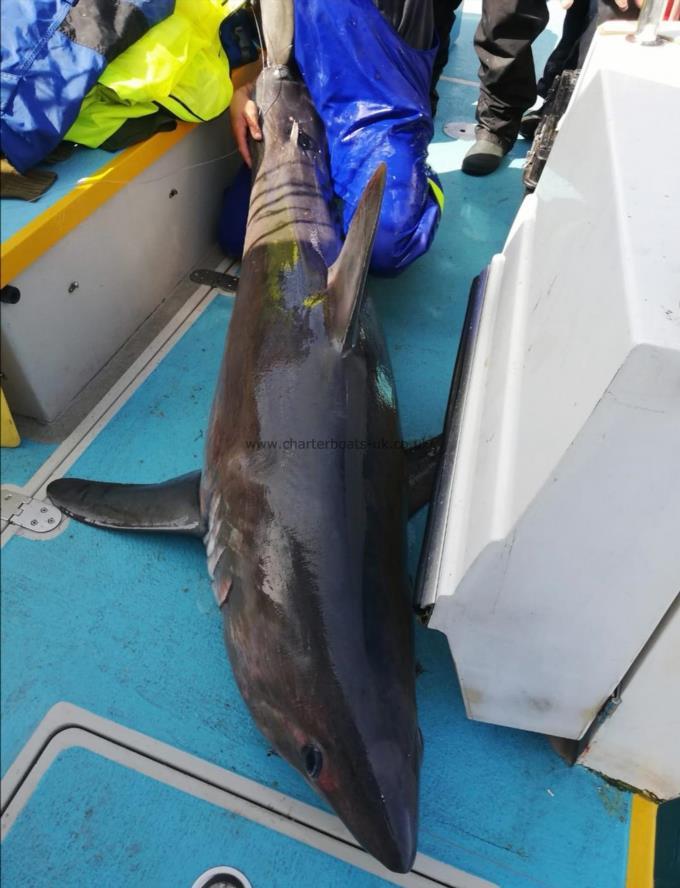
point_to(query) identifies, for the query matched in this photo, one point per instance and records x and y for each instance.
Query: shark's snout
(383, 813)
(395, 843)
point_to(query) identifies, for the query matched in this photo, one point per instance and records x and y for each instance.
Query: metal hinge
(218, 279)
(27, 513)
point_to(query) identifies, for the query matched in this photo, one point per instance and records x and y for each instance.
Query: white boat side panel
(547, 620)
(560, 554)
(87, 294)
(639, 744)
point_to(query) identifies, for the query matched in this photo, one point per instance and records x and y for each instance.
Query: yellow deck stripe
(43, 232)
(640, 872)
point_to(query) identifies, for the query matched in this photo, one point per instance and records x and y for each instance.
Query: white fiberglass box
(553, 546)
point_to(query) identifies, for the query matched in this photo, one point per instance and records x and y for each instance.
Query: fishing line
(91, 180)
(266, 63)
(265, 111)
(259, 37)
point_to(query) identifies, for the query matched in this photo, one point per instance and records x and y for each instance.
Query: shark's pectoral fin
(423, 461)
(347, 275)
(170, 507)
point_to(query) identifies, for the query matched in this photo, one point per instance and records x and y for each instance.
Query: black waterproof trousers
(507, 77)
(422, 23)
(444, 17)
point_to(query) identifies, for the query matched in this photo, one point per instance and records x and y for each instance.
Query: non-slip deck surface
(104, 814)
(126, 626)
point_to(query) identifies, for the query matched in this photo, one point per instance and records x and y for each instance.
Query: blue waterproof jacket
(372, 91)
(53, 51)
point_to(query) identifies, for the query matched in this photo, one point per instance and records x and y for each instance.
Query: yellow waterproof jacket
(179, 65)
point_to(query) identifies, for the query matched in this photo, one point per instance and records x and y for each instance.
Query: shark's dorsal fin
(278, 26)
(347, 275)
(170, 507)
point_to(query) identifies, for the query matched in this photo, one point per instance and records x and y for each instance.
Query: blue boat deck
(126, 628)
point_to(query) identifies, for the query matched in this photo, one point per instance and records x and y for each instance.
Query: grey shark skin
(304, 493)
(307, 530)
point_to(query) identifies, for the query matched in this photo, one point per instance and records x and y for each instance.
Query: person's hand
(622, 4)
(244, 119)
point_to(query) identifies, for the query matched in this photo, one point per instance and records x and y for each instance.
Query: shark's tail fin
(277, 27)
(347, 275)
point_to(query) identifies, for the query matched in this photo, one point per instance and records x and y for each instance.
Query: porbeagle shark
(306, 488)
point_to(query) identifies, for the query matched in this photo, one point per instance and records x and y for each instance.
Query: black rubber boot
(530, 121)
(482, 158)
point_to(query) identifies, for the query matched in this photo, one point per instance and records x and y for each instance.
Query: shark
(305, 491)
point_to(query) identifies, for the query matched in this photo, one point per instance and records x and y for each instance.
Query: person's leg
(381, 115)
(565, 55)
(444, 17)
(604, 11)
(563, 58)
(503, 41)
(507, 77)
(231, 231)
(413, 20)
(580, 22)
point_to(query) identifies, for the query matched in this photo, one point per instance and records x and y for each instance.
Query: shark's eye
(305, 141)
(313, 761)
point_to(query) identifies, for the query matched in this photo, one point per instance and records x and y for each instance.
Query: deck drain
(222, 877)
(464, 130)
